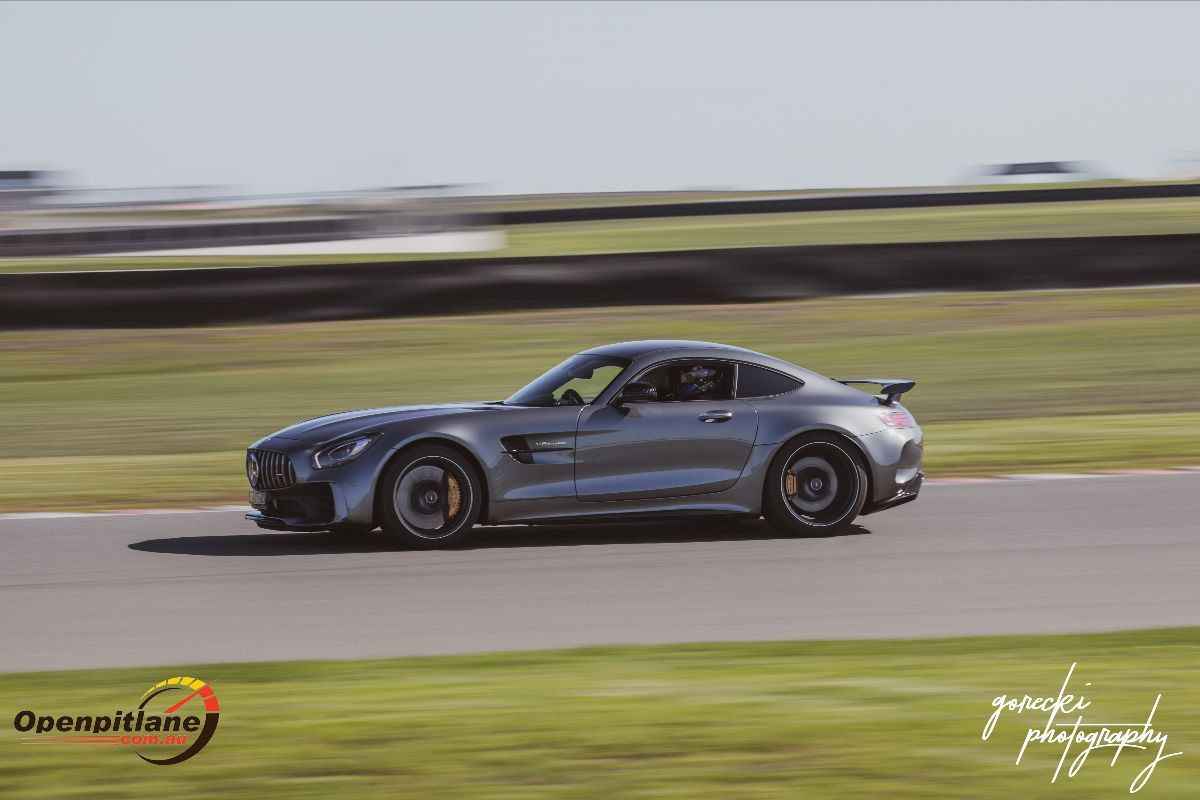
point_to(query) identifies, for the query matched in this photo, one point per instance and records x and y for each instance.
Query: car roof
(637, 349)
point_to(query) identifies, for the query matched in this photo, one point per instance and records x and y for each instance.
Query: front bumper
(282, 524)
(335, 498)
(303, 505)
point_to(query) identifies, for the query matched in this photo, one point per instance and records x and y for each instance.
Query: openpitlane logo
(172, 722)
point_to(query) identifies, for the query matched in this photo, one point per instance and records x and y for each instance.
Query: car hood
(335, 426)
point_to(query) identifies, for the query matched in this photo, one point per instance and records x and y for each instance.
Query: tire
(827, 491)
(428, 498)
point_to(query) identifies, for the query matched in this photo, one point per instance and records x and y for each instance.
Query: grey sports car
(629, 431)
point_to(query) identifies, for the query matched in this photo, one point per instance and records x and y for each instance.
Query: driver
(698, 382)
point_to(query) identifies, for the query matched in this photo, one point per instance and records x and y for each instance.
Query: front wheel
(430, 497)
(816, 486)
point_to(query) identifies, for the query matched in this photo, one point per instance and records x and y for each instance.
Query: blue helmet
(698, 380)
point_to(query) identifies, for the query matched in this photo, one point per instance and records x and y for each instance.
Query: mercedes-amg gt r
(626, 432)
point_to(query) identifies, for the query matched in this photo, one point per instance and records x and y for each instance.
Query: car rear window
(759, 382)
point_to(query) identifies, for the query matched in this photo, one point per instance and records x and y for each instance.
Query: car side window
(759, 382)
(592, 384)
(692, 380)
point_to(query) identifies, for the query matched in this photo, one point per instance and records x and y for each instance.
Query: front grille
(274, 470)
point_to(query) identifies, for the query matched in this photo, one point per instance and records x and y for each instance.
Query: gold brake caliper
(790, 485)
(453, 497)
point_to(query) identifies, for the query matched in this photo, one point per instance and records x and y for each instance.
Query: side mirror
(637, 392)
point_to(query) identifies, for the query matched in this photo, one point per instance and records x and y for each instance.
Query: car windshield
(578, 380)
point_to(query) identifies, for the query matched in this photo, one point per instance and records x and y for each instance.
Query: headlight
(334, 455)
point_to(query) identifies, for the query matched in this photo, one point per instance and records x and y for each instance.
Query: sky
(622, 96)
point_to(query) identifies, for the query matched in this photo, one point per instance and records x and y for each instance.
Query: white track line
(131, 512)
(1050, 476)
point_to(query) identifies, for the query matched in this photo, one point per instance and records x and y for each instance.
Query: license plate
(258, 499)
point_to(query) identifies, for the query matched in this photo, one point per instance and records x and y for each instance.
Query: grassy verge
(1040, 220)
(763, 720)
(1006, 382)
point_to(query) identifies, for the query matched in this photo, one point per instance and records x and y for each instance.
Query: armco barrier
(152, 298)
(849, 202)
(125, 238)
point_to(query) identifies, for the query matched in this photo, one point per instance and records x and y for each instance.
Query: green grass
(866, 719)
(1006, 382)
(1040, 220)
(1037, 220)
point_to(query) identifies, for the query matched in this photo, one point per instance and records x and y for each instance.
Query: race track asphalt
(1000, 557)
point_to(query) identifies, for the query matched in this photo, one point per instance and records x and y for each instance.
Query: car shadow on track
(290, 544)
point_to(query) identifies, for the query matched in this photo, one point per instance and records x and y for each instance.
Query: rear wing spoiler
(890, 388)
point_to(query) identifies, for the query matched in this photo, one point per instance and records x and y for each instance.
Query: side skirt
(634, 516)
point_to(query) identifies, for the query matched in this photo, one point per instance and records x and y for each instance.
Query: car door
(671, 448)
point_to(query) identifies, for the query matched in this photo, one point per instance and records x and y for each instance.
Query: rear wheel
(429, 498)
(816, 485)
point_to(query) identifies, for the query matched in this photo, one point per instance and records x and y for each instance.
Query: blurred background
(324, 177)
(219, 218)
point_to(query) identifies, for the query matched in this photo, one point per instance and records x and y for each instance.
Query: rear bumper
(895, 456)
(908, 492)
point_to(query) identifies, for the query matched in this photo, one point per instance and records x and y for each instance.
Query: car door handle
(715, 416)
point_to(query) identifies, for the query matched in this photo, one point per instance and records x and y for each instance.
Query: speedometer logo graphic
(175, 694)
